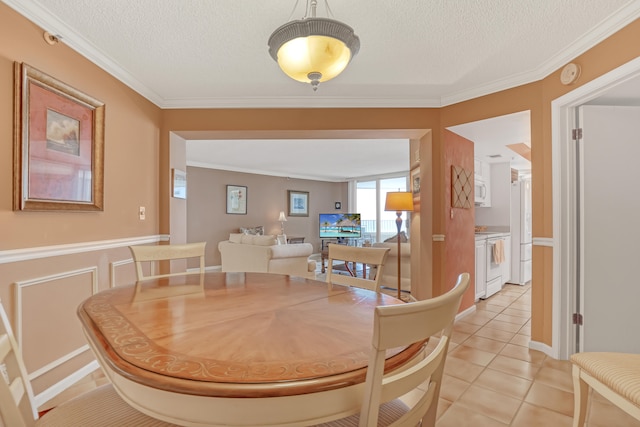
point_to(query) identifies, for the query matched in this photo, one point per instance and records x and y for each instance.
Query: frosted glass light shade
(313, 50)
(321, 54)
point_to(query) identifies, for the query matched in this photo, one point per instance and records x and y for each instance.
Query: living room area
(265, 194)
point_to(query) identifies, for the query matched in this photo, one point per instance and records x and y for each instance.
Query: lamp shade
(313, 50)
(282, 218)
(399, 201)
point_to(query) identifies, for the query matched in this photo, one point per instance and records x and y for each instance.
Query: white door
(609, 291)
(525, 194)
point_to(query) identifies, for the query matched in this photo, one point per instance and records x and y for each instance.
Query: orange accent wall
(459, 242)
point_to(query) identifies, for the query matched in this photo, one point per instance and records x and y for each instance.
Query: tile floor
(492, 378)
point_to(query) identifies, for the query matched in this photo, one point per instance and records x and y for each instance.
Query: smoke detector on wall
(570, 73)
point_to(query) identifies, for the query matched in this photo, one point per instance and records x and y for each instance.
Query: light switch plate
(142, 213)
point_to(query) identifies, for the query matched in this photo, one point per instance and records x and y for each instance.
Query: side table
(295, 240)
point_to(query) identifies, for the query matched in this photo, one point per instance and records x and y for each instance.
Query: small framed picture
(338, 205)
(415, 183)
(236, 199)
(298, 202)
(178, 184)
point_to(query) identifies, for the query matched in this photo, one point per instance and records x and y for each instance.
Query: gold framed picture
(58, 145)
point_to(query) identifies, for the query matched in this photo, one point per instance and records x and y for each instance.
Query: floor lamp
(399, 201)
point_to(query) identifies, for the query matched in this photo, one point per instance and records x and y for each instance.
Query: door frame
(563, 119)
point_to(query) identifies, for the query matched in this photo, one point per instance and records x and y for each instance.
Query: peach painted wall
(51, 283)
(613, 52)
(131, 146)
(459, 241)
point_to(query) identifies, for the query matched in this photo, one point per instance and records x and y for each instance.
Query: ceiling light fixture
(313, 50)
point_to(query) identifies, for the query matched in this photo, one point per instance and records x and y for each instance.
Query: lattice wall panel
(461, 188)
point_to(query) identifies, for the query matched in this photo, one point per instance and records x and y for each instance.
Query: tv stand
(325, 242)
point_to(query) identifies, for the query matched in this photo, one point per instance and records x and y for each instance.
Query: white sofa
(390, 270)
(261, 254)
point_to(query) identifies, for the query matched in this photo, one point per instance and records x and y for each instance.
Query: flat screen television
(340, 226)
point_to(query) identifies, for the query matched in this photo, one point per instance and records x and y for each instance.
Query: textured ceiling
(413, 52)
(429, 53)
(329, 160)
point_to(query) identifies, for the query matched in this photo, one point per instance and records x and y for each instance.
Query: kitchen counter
(491, 234)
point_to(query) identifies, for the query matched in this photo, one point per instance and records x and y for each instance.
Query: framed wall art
(58, 145)
(236, 199)
(178, 184)
(298, 202)
(415, 184)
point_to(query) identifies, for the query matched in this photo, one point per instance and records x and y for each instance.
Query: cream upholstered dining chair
(101, 407)
(615, 376)
(373, 257)
(401, 325)
(155, 253)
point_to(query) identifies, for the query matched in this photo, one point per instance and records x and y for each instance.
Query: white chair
(373, 257)
(401, 325)
(101, 407)
(155, 253)
(615, 376)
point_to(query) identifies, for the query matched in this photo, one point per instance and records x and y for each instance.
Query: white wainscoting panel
(44, 281)
(115, 267)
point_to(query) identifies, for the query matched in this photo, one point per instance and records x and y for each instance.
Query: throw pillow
(256, 231)
(235, 237)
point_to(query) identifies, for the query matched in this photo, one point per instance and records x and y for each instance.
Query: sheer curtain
(377, 223)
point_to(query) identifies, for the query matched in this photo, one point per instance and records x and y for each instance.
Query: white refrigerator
(521, 235)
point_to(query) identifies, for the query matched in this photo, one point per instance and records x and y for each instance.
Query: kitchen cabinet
(481, 276)
(477, 168)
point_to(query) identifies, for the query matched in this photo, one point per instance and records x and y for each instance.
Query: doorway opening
(620, 86)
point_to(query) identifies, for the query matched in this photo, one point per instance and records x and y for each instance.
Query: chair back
(16, 395)
(399, 326)
(373, 257)
(155, 253)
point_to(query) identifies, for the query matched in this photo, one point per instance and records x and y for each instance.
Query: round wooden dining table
(237, 349)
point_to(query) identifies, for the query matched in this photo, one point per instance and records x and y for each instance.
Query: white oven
(494, 270)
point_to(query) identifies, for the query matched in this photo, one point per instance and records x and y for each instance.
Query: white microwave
(481, 195)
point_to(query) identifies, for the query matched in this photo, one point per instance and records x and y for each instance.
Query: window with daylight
(378, 224)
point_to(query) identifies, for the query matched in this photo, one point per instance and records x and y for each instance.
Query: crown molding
(46, 20)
